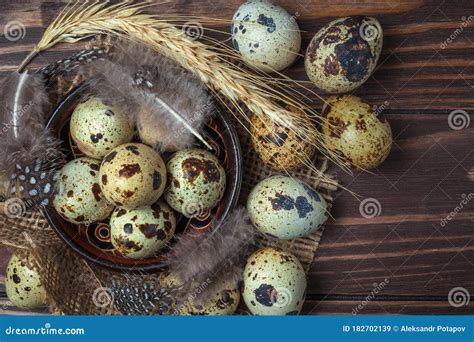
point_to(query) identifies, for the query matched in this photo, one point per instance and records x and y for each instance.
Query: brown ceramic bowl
(93, 241)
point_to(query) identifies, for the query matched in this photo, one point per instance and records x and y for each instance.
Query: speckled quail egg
(266, 36)
(140, 233)
(274, 283)
(22, 282)
(286, 208)
(224, 300)
(133, 176)
(196, 181)
(355, 131)
(78, 196)
(98, 128)
(280, 147)
(344, 53)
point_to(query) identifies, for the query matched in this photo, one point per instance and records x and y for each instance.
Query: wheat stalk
(211, 64)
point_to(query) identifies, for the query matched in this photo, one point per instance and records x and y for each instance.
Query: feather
(132, 295)
(29, 155)
(218, 255)
(168, 104)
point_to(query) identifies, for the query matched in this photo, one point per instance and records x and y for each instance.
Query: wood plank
(419, 185)
(388, 307)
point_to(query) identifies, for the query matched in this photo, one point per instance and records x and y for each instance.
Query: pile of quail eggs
(341, 56)
(129, 183)
(338, 60)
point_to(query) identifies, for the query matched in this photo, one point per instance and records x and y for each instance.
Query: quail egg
(98, 128)
(196, 181)
(344, 53)
(286, 208)
(132, 176)
(280, 147)
(356, 132)
(78, 197)
(266, 36)
(274, 283)
(22, 282)
(140, 233)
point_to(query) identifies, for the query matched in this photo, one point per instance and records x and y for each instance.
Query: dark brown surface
(431, 165)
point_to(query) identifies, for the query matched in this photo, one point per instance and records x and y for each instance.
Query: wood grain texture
(420, 79)
(385, 307)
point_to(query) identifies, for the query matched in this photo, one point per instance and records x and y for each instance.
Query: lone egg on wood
(274, 283)
(197, 181)
(280, 147)
(286, 208)
(344, 53)
(355, 131)
(140, 233)
(78, 196)
(132, 176)
(265, 35)
(23, 283)
(97, 128)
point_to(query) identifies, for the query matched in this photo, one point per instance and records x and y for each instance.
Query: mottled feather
(218, 255)
(146, 85)
(29, 154)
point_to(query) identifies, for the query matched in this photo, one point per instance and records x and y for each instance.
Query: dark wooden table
(405, 260)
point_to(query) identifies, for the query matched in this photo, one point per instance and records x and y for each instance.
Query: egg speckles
(78, 196)
(355, 132)
(286, 208)
(274, 283)
(278, 146)
(22, 282)
(344, 53)
(97, 128)
(266, 36)
(196, 181)
(132, 176)
(140, 233)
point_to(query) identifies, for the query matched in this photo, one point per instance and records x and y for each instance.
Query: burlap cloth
(73, 284)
